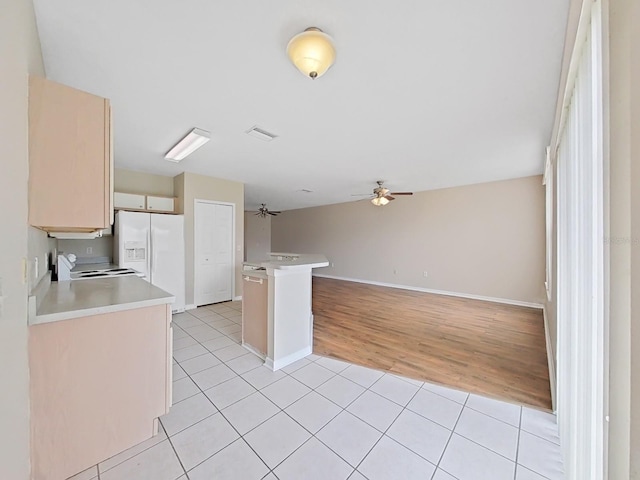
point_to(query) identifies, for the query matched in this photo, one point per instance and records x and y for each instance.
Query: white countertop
(81, 298)
(301, 261)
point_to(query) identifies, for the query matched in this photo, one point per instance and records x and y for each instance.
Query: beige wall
(189, 187)
(485, 239)
(624, 262)
(635, 243)
(129, 181)
(101, 247)
(257, 237)
(19, 55)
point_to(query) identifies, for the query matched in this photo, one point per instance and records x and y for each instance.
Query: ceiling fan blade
(389, 197)
(275, 212)
(361, 195)
(400, 193)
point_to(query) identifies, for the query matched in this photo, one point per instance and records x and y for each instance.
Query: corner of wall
(178, 192)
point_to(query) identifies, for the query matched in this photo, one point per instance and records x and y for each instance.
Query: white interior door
(213, 252)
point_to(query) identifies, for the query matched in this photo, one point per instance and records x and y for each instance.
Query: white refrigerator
(153, 244)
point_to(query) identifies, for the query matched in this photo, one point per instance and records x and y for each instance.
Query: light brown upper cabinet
(70, 158)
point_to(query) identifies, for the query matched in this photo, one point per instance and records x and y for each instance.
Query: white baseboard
(437, 292)
(191, 306)
(289, 359)
(550, 360)
(235, 299)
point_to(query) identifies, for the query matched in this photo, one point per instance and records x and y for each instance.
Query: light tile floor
(324, 419)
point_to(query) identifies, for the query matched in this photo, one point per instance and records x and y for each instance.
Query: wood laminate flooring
(488, 348)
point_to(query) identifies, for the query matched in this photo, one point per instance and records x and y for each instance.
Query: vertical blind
(580, 243)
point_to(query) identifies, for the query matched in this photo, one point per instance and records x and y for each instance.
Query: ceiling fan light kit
(312, 52)
(382, 196)
(379, 201)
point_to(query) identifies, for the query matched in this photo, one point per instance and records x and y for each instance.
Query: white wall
(257, 237)
(19, 55)
(486, 239)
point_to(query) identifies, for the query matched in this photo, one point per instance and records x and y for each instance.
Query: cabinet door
(254, 312)
(128, 201)
(70, 161)
(160, 204)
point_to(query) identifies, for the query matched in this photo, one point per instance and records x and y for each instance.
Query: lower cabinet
(255, 295)
(98, 385)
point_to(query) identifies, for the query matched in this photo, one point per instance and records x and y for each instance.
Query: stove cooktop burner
(103, 273)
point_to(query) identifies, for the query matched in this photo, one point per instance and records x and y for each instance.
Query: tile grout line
(450, 437)
(515, 472)
(387, 429)
(184, 470)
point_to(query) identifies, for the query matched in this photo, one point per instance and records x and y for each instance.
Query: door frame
(233, 245)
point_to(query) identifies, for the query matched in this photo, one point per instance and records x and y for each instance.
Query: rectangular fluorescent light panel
(260, 133)
(189, 144)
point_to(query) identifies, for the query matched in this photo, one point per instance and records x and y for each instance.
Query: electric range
(104, 273)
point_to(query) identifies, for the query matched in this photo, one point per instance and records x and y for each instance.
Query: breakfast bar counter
(289, 319)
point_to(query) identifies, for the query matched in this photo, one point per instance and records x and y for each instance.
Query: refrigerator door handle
(149, 253)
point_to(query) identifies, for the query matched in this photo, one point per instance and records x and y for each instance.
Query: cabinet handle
(249, 279)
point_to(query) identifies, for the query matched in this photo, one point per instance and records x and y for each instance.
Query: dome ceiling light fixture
(312, 52)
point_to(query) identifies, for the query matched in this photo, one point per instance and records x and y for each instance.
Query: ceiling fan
(263, 211)
(381, 195)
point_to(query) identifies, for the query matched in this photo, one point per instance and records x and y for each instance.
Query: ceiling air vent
(261, 133)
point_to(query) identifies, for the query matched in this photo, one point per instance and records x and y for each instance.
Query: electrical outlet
(333, 264)
(425, 274)
(89, 250)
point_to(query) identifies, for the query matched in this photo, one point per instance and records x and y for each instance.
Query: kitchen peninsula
(100, 361)
(281, 286)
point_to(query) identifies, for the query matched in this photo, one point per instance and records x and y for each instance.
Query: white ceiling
(423, 94)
